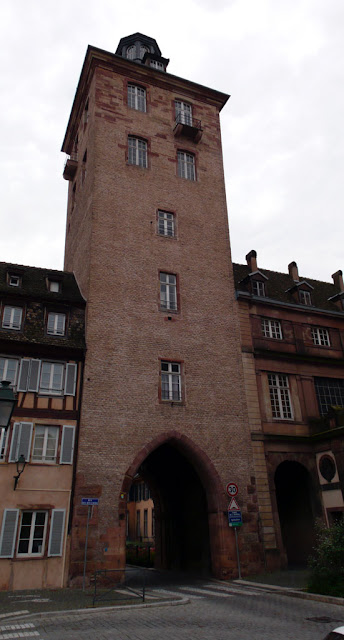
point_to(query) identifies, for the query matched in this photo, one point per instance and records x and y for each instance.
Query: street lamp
(7, 403)
(20, 464)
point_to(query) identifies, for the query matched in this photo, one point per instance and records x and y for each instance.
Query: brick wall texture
(113, 247)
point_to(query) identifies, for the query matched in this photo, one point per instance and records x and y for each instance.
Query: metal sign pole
(89, 509)
(237, 551)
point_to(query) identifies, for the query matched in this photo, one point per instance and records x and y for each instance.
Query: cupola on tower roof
(142, 49)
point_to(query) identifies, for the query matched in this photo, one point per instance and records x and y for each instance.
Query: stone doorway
(294, 503)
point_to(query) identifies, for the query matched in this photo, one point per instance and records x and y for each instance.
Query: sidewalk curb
(294, 593)
(71, 612)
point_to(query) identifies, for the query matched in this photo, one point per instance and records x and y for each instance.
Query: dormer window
(305, 298)
(54, 286)
(131, 53)
(258, 288)
(156, 64)
(13, 280)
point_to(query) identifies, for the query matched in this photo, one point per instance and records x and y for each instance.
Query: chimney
(293, 271)
(251, 259)
(338, 280)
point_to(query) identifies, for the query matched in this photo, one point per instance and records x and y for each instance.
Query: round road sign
(232, 489)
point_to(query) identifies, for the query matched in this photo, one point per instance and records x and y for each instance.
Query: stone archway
(190, 509)
(294, 503)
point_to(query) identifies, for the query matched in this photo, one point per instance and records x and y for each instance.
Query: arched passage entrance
(294, 503)
(188, 507)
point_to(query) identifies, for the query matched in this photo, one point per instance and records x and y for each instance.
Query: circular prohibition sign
(232, 489)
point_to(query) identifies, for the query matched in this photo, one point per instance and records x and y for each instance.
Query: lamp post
(7, 403)
(20, 464)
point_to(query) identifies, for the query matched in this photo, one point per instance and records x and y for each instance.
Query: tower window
(168, 291)
(136, 97)
(131, 52)
(183, 112)
(171, 381)
(137, 151)
(165, 224)
(186, 165)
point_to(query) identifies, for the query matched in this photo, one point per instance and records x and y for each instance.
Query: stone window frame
(137, 151)
(137, 97)
(271, 328)
(186, 165)
(320, 337)
(280, 397)
(171, 389)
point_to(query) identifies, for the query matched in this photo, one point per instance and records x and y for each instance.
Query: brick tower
(147, 239)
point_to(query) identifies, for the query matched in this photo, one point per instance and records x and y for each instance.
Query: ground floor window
(32, 533)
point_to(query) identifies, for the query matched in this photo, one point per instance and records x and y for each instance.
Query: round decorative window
(327, 467)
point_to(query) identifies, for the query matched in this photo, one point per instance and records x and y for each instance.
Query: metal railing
(119, 584)
(188, 121)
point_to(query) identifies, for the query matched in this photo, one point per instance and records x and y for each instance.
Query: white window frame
(305, 298)
(168, 292)
(42, 457)
(183, 112)
(54, 286)
(4, 375)
(166, 224)
(258, 288)
(280, 396)
(3, 443)
(137, 97)
(138, 523)
(30, 553)
(186, 165)
(15, 320)
(271, 329)
(171, 387)
(137, 152)
(14, 280)
(56, 324)
(320, 337)
(156, 64)
(51, 390)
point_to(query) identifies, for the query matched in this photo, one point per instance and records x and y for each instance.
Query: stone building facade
(147, 238)
(292, 340)
(41, 355)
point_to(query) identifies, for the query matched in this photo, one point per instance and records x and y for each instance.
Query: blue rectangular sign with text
(234, 518)
(88, 502)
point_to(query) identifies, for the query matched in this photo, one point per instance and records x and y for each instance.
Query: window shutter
(21, 441)
(51, 323)
(15, 433)
(33, 381)
(23, 375)
(70, 384)
(6, 321)
(67, 444)
(56, 532)
(60, 327)
(8, 533)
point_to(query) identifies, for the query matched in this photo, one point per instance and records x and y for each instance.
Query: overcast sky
(282, 129)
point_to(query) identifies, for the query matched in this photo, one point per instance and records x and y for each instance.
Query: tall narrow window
(145, 523)
(32, 533)
(186, 165)
(171, 381)
(330, 392)
(136, 97)
(84, 168)
(12, 317)
(165, 224)
(280, 396)
(3, 443)
(138, 524)
(137, 151)
(131, 52)
(168, 291)
(183, 112)
(86, 113)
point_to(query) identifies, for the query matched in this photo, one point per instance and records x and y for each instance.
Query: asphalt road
(209, 611)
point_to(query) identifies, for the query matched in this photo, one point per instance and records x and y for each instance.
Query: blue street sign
(234, 518)
(88, 502)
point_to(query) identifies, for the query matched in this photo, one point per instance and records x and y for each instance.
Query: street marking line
(19, 634)
(206, 592)
(13, 613)
(174, 593)
(24, 625)
(239, 592)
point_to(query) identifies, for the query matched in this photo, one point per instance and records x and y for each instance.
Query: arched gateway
(189, 503)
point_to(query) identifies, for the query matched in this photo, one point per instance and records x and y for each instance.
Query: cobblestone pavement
(211, 611)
